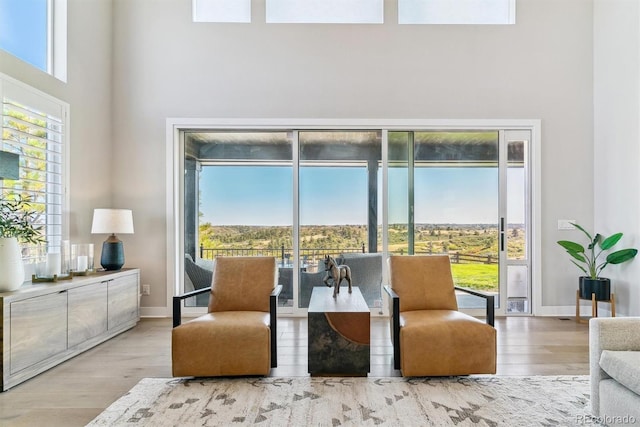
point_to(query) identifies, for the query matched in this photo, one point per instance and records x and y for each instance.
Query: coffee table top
(322, 301)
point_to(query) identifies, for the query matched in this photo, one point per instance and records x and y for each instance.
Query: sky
(262, 195)
(23, 30)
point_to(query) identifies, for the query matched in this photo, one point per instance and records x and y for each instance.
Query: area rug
(323, 401)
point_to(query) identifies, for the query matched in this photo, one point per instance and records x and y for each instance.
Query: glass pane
(456, 11)
(338, 209)
(238, 202)
(517, 289)
(516, 200)
(398, 193)
(325, 11)
(456, 204)
(221, 10)
(24, 30)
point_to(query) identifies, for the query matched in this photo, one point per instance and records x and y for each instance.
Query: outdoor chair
(238, 334)
(430, 336)
(197, 276)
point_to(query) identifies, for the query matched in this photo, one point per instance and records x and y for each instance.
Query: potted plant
(17, 225)
(588, 261)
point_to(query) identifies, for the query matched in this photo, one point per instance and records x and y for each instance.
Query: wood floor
(75, 392)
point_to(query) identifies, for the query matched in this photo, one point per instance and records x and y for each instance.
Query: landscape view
(473, 248)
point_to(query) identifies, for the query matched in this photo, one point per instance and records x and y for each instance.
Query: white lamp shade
(112, 221)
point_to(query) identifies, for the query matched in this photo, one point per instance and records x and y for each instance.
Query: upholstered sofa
(614, 361)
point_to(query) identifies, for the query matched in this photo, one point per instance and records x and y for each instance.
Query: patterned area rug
(322, 401)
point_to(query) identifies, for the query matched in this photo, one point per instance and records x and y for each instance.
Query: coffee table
(339, 333)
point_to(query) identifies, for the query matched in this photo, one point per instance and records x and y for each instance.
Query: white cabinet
(46, 324)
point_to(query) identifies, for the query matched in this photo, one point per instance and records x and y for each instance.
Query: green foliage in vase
(586, 259)
(18, 219)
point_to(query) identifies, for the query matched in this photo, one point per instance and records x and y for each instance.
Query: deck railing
(285, 255)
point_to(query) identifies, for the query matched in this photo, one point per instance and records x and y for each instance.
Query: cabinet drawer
(87, 313)
(123, 301)
(38, 329)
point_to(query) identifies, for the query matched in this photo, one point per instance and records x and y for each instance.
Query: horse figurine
(337, 273)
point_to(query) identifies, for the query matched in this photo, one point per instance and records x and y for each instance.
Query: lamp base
(112, 257)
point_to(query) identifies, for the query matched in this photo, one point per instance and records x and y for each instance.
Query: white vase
(11, 267)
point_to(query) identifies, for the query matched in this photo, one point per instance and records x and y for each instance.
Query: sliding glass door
(238, 202)
(359, 195)
(464, 194)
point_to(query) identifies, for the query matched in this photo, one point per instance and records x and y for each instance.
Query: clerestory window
(35, 31)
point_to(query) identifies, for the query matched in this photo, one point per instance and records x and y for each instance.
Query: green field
(476, 276)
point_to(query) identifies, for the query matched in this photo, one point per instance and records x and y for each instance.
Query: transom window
(359, 11)
(35, 31)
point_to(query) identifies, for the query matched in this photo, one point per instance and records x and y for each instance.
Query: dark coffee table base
(339, 333)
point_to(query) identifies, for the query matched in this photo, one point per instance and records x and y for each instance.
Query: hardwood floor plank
(73, 393)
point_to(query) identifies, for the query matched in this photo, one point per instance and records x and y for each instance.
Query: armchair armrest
(394, 309)
(489, 299)
(177, 303)
(273, 320)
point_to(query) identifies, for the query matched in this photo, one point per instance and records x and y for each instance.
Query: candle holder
(52, 263)
(82, 259)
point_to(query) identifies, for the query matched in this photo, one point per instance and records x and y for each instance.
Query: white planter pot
(11, 267)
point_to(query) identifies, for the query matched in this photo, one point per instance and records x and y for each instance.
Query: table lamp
(112, 221)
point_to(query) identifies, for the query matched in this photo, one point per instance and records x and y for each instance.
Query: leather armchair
(430, 336)
(238, 334)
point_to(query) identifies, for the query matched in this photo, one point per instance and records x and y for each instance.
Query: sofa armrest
(609, 333)
(394, 310)
(491, 310)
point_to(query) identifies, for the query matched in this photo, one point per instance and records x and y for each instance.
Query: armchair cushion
(436, 291)
(445, 342)
(242, 345)
(622, 366)
(242, 283)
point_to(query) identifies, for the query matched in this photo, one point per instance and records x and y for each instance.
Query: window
(325, 11)
(456, 11)
(221, 10)
(36, 32)
(33, 126)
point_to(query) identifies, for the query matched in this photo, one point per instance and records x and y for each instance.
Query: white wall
(88, 92)
(167, 66)
(134, 65)
(617, 138)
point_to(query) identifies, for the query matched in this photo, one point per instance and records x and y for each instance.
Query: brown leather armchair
(430, 336)
(238, 334)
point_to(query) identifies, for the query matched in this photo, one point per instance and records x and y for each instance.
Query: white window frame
(175, 176)
(37, 100)
(56, 33)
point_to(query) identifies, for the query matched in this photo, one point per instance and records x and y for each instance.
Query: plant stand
(594, 306)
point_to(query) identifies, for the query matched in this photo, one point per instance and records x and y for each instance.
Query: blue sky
(261, 195)
(23, 30)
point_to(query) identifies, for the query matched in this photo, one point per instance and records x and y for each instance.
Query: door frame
(174, 177)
